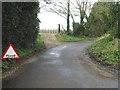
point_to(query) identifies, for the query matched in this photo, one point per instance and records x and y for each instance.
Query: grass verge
(39, 45)
(106, 50)
(68, 38)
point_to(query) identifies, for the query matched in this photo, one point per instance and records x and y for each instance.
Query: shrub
(19, 24)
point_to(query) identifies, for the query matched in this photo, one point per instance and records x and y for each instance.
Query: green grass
(69, 38)
(106, 49)
(39, 44)
(24, 52)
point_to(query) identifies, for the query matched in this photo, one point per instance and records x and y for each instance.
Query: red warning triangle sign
(10, 52)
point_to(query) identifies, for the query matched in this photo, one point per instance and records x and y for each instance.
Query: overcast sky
(51, 20)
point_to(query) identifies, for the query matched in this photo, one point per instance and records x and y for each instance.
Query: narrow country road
(64, 66)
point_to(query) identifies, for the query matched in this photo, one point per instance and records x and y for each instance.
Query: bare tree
(62, 8)
(65, 9)
(68, 16)
(83, 8)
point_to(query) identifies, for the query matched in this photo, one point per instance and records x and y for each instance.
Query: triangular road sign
(10, 52)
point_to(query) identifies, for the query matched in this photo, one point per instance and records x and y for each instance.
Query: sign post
(10, 52)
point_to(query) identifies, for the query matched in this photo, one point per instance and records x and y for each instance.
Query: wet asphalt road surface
(65, 66)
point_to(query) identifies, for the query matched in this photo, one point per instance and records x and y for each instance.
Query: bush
(114, 32)
(19, 24)
(106, 49)
(19, 27)
(75, 27)
(78, 29)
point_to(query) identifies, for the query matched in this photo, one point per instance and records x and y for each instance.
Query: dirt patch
(50, 40)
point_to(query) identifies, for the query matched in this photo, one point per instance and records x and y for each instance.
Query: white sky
(51, 20)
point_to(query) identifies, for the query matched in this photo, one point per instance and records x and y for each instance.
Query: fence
(48, 31)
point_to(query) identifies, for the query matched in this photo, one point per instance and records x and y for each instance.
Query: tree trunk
(68, 17)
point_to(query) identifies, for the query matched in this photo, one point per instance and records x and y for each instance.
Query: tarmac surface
(64, 66)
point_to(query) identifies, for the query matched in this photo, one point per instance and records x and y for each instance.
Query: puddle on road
(54, 62)
(56, 51)
(55, 54)
(64, 46)
(59, 48)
